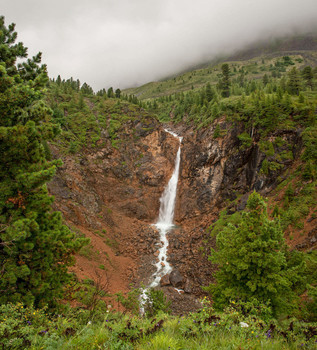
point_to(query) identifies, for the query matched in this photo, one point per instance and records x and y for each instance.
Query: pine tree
(110, 93)
(35, 247)
(265, 79)
(209, 92)
(118, 93)
(308, 76)
(253, 261)
(225, 81)
(294, 83)
(86, 89)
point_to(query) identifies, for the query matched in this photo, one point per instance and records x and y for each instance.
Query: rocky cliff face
(218, 169)
(112, 196)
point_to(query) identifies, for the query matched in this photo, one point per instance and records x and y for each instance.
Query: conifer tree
(86, 89)
(308, 76)
(110, 93)
(253, 261)
(209, 92)
(294, 83)
(225, 81)
(35, 247)
(118, 93)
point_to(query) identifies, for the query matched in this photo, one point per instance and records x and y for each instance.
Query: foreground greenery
(23, 328)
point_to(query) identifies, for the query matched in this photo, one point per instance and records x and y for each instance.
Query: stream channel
(165, 223)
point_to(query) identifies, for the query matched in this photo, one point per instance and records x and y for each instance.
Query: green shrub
(156, 302)
(246, 140)
(252, 261)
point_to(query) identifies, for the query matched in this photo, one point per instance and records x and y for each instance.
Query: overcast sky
(123, 43)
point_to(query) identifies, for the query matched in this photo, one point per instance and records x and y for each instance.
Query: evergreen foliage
(35, 247)
(254, 262)
(308, 76)
(294, 83)
(225, 80)
(86, 89)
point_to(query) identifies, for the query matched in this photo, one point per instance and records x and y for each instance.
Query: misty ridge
(241, 49)
(127, 44)
(297, 41)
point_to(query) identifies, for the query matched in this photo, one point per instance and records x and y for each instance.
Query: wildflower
(244, 325)
(268, 334)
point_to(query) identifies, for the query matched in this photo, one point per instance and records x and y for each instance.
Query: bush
(246, 140)
(252, 261)
(156, 302)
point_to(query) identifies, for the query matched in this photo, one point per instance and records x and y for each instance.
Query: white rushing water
(165, 222)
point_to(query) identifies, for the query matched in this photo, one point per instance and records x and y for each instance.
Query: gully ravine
(165, 223)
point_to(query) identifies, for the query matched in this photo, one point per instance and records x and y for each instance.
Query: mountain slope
(302, 48)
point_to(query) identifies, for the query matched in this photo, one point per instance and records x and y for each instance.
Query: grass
(26, 328)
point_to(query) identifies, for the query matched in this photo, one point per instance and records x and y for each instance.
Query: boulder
(176, 279)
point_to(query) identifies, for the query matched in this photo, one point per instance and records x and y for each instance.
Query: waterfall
(165, 222)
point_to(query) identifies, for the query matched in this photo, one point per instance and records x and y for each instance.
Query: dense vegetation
(259, 282)
(87, 119)
(35, 247)
(239, 327)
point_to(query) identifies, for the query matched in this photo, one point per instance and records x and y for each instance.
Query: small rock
(188, 286)
(165, 281)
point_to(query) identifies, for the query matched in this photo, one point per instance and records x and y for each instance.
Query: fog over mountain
(122, 43)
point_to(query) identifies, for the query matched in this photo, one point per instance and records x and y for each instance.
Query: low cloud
(123, 43)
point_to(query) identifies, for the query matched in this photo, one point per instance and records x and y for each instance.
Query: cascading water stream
(165, 223)
(165, 220)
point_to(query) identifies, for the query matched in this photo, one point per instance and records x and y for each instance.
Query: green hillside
(302, 49)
